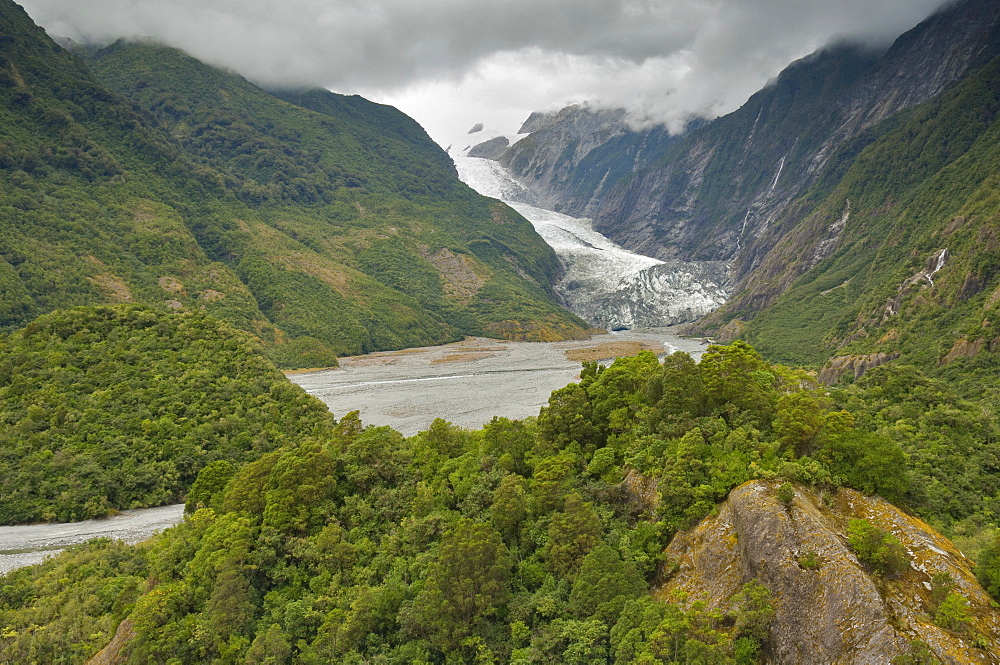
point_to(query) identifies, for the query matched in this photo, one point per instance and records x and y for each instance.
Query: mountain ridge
(199, 190)
(755, 188)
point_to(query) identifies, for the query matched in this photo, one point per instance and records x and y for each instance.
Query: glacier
(604, 283)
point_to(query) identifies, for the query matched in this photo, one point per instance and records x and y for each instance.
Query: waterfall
(941, 256)
(781, 165)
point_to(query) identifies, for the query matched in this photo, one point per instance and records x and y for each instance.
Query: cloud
(666, 59)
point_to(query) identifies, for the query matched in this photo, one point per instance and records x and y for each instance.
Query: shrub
(878, 549)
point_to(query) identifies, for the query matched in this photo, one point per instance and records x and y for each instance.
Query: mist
(453, 63)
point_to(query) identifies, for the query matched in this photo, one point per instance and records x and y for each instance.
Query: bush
(785, 494)
(878, 549)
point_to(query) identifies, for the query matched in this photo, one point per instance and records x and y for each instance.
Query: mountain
(325, 225)
(570, 157)
(828, 193)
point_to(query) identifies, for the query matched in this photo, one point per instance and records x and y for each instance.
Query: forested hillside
(325, 232)
(536, 540)
(917, 264)
(108, 408)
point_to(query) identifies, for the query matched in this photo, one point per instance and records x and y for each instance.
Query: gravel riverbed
(28, 544)
(466, 383)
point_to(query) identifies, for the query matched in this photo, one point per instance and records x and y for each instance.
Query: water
(604, 283)
(470, 382)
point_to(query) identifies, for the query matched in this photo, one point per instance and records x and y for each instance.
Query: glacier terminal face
(605, 283)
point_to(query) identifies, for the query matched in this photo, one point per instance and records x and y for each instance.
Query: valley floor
(28, 544)
(467, 382)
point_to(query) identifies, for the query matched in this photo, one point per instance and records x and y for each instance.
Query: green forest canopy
(517, 543)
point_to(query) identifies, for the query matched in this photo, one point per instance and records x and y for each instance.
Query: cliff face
(718, 192)
(829, 608)
(571, 157)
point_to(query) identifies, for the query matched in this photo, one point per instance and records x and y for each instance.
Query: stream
(28, 544)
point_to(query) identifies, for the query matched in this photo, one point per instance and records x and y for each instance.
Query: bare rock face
(829, 608)
(546, 160)
(857, 365)
(491, 149)
(729, 189)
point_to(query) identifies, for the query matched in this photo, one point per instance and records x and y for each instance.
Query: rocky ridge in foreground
(829, 606)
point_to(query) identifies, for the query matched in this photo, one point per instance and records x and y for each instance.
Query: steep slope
(853, 198)
(901, 257)
(403, 219)
(831, 604)
(714, 193)
(322, 233)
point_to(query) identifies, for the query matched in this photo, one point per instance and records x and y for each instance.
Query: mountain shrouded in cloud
(450, 64)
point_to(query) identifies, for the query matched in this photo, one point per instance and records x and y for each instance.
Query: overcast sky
(453, 63)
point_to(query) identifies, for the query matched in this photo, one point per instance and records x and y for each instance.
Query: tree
(988, 567)
(877, 548)
(231, 608)
(754, 611)
(798, 421)
(739, 384)
(466, 582)
(510, 507)
(207, 488)
(604, 584)
(270, 647)
(953, 613)
(785, 494)
(867, 461)
(573, 533)
(569, 418)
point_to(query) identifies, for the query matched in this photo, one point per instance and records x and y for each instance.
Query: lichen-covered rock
(829, 607)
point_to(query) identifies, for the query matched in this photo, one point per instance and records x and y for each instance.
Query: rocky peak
(490, 149)
(569, 155)
(829, 606)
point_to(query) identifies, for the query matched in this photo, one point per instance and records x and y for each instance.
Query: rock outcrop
(491, 149)
(115, 652)
(838, 366)
(829, 607)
